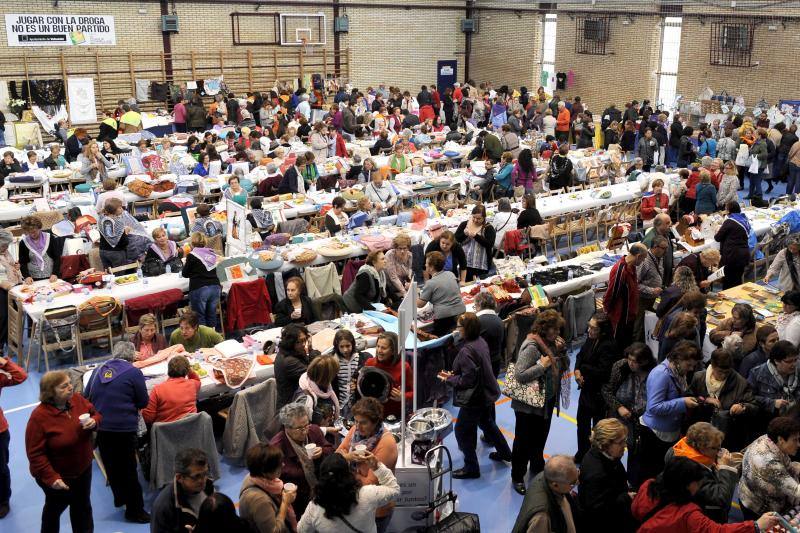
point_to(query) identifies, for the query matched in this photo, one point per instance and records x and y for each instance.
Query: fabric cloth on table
(168, 438)
(293, 227)
(349, 272)
(578, 309)
(154, 303)
(71, 265)
(322, 281)
(252, 409)
(159, 91)
(248, 304)
(142, 90)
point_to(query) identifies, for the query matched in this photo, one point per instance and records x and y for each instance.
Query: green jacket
(204, 338)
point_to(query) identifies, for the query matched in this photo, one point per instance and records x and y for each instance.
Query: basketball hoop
(307, 48)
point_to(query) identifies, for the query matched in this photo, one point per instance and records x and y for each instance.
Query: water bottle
(482, 287)
(198, 356)
(570, 274)
(169, 269)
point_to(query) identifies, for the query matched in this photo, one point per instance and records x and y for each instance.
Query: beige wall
(507, 49)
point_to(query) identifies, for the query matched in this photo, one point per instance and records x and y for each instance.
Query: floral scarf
(370, 442)
(206, 256)
(305, 462)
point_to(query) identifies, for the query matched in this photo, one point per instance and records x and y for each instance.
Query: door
(446, 74)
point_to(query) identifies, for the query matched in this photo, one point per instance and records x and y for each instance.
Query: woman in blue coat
(706, 202)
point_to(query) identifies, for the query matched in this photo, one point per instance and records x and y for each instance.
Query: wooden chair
(16, 328)
(316, 224)
(130, 267)
(573, 188)
(54, 338)
(94, 323)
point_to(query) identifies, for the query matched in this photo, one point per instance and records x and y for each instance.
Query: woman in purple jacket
(475, 391)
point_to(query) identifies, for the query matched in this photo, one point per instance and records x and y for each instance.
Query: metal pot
(421, 429)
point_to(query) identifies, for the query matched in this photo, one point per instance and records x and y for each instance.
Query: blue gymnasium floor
(494, 486)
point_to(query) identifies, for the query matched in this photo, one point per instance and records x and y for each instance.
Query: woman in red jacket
(389, 359)
(655, 202)
(664, 504)
(58, 441)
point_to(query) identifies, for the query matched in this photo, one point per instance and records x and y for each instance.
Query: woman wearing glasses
(301, 460)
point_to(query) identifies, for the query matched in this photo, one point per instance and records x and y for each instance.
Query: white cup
(361, 449)
(310, 449)
(290, 487)
(84, 418)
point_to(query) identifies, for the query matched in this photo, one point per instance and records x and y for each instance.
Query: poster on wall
(60, 30)
(82, 106)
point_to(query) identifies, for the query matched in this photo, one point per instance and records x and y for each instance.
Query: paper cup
(310, 448)
(361, 449)
(84, 418)
(290, 487)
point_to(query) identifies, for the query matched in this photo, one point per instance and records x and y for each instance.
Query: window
(731, 44)
(670, 56)
(549, 53)
(592, 34)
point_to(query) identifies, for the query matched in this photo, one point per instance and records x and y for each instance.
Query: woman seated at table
(369, 287)
(399, 161)
(235, 191)
(110, 190)
(336, 219)
(123, 239)
(390, 359)
(742, 323)
(148, 341)
(177, 396)
(309, 172)
(203, 223)
(769, 481)
(260, 219)
(380, 192)
(296, 307)
(530, 215)
(38, 253)
(94, 165)
(398, 267)
(786, 265)
(455, 260)
(655, 202)
(203, 165)
(361, 172)
(368, 431)
(476, 237)
(299, 466)
(192, 335)
(702, 264)
(162, 253)
(111, 151)
(32, 163)
(443, 293)
(366, 214)
(55, 161)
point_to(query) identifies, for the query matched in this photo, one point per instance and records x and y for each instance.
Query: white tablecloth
(560, 204)
(121, 292)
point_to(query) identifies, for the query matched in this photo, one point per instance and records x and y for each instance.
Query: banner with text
(60, 30)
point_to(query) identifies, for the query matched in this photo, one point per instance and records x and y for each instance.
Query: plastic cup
(290, 487)
(84, 418)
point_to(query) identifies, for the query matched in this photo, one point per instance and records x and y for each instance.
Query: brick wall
(506, 49)
(625, 73)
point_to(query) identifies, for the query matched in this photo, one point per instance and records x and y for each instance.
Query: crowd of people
(693, 432)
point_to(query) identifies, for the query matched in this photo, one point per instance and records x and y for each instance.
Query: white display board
(53, 29)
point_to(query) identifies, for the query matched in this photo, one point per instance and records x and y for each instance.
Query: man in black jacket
(424, 97)
(8, 166)
(492, 329)
(675, 134)
(544, 504)
(177, 506)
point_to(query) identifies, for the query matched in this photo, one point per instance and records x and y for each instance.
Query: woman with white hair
(10, 276)
(786, 265)
(118, 391)
(503, 220)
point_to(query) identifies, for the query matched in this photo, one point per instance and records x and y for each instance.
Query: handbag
(59, 324)
(104, 306)
(531, 394)
(457, 522)
(753, 168)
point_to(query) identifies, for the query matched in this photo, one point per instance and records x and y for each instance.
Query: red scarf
(274, 487)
